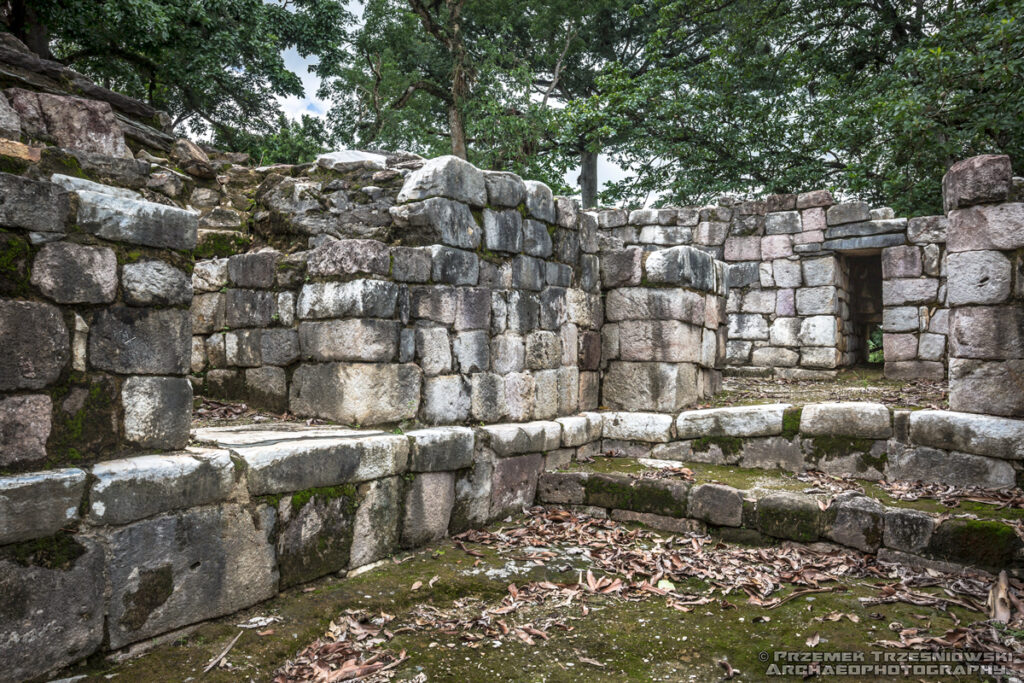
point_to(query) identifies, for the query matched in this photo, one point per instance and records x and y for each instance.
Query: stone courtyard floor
(560, 596)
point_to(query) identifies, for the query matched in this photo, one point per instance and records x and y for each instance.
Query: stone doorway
(862, 323)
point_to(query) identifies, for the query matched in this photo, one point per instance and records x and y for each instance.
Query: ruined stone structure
(468, 334)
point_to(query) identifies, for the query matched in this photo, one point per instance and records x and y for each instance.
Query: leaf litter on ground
(634, 564)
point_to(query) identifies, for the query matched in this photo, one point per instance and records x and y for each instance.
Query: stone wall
(809, 279)
(986, 286)
(664, 334)
(484, 306)
(94, 321)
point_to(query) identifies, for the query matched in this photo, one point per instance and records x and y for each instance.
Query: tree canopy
(693, 97)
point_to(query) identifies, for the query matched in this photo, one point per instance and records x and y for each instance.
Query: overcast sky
(295, 107)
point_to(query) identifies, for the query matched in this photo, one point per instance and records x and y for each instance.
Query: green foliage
(876, 354)
(288, 142)
(214, 65)
(874, 98)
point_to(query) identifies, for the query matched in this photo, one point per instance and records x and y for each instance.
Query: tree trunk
(22, 21)
(458, 131)
(588, 179)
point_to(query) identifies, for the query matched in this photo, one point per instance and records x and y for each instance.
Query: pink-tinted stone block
(901, 262)
(785, 303)
(899, 346)
(813, 219)
(809, 237)
(743, 248)
(776, 246)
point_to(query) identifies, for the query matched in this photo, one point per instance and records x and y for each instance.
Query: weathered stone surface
(747, 326)
(266, 387)
(650, 427)
(740, 421)
(73, 273)
(358, 298)
(848, 212)
(866, 228)
(133, 488)
(991, 386)
(617, 491)
(376, 529)
(155, 283)
(934, 466)
(279, 347)
(282, 461)
(536, 239)
(437, 220)
(978, 277)
(39, 504)
(25, 425)
(856, 521)
(446, 176)
(136, 222)
(789, 515)
(978, 434)
(683, 266)
(561, 488)
(514, 484)
(36, 344)
(248, 308)
(812, 199)
(742, 248)
(473, 494)
(350, 159)
(907, 530)
(428, 507)
(927, 230)
(667, 387)
(659, 340)
(578, 430)
(314, 534)
(258, 270)
(854, 419)
(899, 347)
(354, 339)
(210, 275)
(433, 350)
(454, 266)
(51, 617)
(176, 569)
(446, 399)
(915, 369)
(70, 122)
(440, 449)
(996, 226)
(540, 203)
(987, 332)
(503, 230)
(410, 264)
(903, 261)
(529, 437)
(504, 188)
(145, 341)
(157, 411)
(621, 268)
(900, 319)
(817, 301)
(982, 179)
(356, 393)
(900, 292)
(716, 504)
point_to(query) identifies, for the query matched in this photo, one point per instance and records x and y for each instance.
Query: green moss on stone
(15, 264)
(218, 245)
(324, 494)
(828, 447)
(980, 543)
(619, 492)
(789, 517)
(53, 552)
(154, 587)
(791, 422)
(729, 445)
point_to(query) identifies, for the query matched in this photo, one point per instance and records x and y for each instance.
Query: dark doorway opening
(865, 340)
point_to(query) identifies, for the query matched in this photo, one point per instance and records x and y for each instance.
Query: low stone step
(780, 506)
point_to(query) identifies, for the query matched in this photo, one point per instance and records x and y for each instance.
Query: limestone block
(716, 504)
(487, 401)
(137, 222)
(649, 386)
(848, 212)
(428, 507)
(900, 319)
(33, 205)
(446, 399)
(747, 326)
(131, 340)
(818, 330)
(358, 298)
(514, 484)
(25, 425)
(978, 277)
(907, 530)
(356, 393)
(789, 515)
(933, 466)
(899, 292)
(375, 530)
(540, 203)
(354, 339)
(992, 387)
(901, 262)
(39, 504)
(648, 427)
(927, 230)
(776, 247)
(446, 176)
(36, 344)
(899, 347)
(157, 411)
(982, 179)
(770, 356)
(821, 271)
(987, 332)
(743, 248)
(177, 569)
(856, 521)
(993, 227)
(155, 283)
(853, 419)
(996, 437)
(813, 199)
(73, 273)
(817, 301)
(504, 188)
(741, 421)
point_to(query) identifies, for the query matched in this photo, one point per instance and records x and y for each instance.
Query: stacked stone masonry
(127, 549)
(809, 279)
